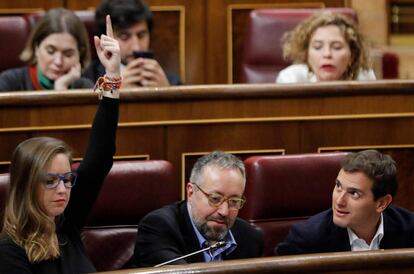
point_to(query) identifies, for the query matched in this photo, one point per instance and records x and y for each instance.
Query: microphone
(211, 247)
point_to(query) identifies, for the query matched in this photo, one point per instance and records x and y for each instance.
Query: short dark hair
(380, 168)
(124, 14)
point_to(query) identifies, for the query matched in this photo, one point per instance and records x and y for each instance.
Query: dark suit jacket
(319, 234)
(167, 233)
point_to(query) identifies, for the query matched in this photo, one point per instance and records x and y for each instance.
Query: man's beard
(213, 234)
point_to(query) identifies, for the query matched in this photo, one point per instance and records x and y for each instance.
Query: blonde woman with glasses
(48, 203)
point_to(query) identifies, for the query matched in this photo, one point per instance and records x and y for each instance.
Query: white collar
(353, 238)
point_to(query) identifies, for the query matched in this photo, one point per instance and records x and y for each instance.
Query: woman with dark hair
(48, 203)
(325, 47)
(56, 52)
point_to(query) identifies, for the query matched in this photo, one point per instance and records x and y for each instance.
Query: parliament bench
(365, 262)
(287, 189)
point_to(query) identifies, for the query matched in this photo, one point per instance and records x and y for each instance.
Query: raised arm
(101, 147)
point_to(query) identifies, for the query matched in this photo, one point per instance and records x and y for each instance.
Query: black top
(167, 233)
(96, 70)
(18, 79)
(319, 234)
(91, 173)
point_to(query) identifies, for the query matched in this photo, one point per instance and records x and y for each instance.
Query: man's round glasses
(216, 200)
(52, 180)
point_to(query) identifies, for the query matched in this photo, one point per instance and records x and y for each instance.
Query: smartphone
(143, 54)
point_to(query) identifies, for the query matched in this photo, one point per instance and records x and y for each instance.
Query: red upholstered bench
(14, 31)
(130, 191)
(283, 190)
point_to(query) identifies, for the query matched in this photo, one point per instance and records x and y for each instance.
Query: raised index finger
(109, 31)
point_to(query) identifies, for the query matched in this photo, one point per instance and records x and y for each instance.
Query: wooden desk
(375, 262)
(180, 123)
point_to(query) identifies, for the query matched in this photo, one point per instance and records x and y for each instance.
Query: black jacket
(319, 234)
(167, 233)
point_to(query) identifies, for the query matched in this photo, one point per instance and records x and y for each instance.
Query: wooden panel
(373, 20)
(166, 123)
(82, 5)
(192, 33)
(165, 41)
(372, 262)
(25, 6)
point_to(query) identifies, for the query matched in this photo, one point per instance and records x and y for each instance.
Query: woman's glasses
(52, 180)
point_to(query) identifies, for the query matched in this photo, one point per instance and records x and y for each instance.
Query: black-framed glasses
(216, 199)
(52, 180)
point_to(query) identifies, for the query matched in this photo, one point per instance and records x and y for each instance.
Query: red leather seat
(263, 54)
(283, 190)
(14, 31)
(130, 191)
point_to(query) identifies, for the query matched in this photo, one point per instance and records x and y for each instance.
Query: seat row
(262, 58)
(280, 191)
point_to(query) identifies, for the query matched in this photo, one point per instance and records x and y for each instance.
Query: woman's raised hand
(108, 51)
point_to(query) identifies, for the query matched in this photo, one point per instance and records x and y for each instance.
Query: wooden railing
(180, 123)
(375, 262)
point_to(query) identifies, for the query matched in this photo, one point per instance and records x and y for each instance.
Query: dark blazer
(319, 234)
(167, 233)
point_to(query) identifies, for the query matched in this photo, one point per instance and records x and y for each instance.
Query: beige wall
(372, 16)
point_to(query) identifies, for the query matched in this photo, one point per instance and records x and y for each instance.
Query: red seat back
(14, 31)
(283, 190)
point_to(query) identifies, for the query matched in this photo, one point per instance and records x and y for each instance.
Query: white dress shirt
(358, 244)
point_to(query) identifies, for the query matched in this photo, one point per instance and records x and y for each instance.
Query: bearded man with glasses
(208, 216)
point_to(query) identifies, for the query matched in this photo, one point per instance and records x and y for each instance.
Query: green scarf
(45, 83)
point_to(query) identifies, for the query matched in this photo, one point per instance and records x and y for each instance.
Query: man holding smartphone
(132, 24)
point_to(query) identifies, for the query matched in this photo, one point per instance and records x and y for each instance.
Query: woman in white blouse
(325, 47)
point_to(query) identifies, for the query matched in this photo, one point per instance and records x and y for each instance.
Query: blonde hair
(25, 221)
(296, 42)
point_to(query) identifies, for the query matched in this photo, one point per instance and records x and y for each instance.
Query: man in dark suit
(361, 217)
(209, 215)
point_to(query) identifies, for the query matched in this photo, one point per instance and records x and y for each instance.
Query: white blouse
(299, 73)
